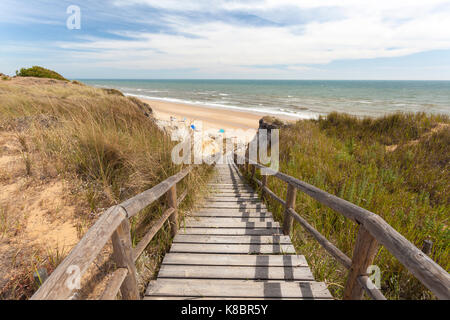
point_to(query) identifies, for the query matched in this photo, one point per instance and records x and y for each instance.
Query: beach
(212, 118)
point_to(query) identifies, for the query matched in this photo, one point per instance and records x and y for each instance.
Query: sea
(294, 98)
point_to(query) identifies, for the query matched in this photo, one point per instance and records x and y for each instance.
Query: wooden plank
(214, 220)
(230, 231)
(242, 205)
(114, 284)
(233, 200)
(233, 248)
(81, 256)
(123, 257)
(235, 214)
(235, 272)
(232, 210)
(238, 289)
(215, 298)
(235, 260)
(230, 224)
(185, 238)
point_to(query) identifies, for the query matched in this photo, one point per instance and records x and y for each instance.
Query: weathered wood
(230, 224)
(427, 246)
(230, 231)
(182, 197)
(61, 284)
(172, 203)
(263, 186)
(151, 233)
(114, 284)
(370, 289)
(123, 257)
(366, 247)
(184, 238)
(433, 276)
(327, 245)
(237, 289)
(236, 272)
(253, 172)
(144, 199)
(288, 220)
(231, 214)
(233, 248)
(243, 205)
(243, 211)
(228, 220)
(274, 196)
(235, 260)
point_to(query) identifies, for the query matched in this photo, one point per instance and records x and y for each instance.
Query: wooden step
(235, 260)
(236, 272)
(243, 205)
(233, 248)
(237, 289)
(230, 231)
(185, 238)
(232, 214)
(230, 224)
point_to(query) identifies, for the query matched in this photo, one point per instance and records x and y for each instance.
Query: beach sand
(212, 118)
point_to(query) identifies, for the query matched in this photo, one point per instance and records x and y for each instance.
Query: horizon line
(237, 79)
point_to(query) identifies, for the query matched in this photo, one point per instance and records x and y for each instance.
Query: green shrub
(39, 72)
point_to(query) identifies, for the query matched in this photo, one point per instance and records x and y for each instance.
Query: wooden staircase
(231, 248)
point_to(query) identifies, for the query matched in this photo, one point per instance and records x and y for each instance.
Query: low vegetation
(397, 166)
(105, 147)
(39, 72)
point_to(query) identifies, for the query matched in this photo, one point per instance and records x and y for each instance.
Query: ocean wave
(292, 114)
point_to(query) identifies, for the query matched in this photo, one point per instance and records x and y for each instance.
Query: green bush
(39, 72)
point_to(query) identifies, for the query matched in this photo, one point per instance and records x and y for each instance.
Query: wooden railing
(113, 224)
(373, 230)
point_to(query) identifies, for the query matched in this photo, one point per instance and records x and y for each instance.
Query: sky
(227, 39)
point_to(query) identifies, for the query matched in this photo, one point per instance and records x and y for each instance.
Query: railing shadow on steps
(113, 224)
(373, 230)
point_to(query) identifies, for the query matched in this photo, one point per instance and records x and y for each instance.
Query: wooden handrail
(428, 272)
(64, 281)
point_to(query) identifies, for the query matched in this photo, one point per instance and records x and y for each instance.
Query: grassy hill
(40, 72)
(67, 152)
(396, 166)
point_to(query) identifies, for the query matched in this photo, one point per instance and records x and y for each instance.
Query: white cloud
(369, 29)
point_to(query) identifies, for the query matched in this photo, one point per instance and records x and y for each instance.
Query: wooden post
(253, 171)
(427, 246)
(123, 257)
(172, 203)
(290, 203)
(366, 248)
(264, 184)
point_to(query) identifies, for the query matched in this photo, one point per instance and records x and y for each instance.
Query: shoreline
(212, 118)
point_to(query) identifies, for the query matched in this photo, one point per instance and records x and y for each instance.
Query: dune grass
(407, 185)
(101, 141)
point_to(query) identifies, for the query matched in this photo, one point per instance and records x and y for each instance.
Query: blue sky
(227, 39)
